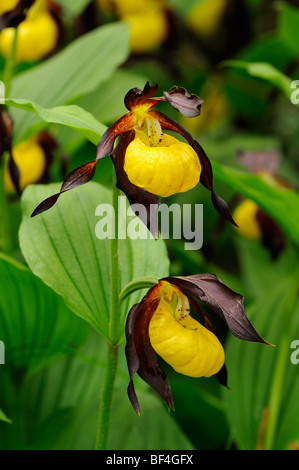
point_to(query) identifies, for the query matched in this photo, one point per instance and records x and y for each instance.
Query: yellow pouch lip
(168, 168)
(186, 345)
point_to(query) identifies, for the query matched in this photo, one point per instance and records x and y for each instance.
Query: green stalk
(112, 347)
(10, 64)
(275, 400)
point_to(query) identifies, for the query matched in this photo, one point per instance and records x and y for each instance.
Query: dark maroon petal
(261, 162)
(86, 172)
(222, 300)
(136, 96)
(106, 144)
(14, 173)
(222, 376)
(206, 177)
(76, 178)
(135, 194)
(273, 237)
(141, 357)
(45, 205)
(16, 16)
(6, 130)
(182, 101)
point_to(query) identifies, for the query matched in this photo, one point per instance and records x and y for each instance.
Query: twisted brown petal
(206, 177)
(136, 96)
(141, 357)
(222, 300)
(85, 173)
(16, 16)
(182, 101)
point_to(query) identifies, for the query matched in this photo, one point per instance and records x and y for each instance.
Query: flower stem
(106, 398)
(112, 346)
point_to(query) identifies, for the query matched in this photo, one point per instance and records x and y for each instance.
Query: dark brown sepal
(273, 238)
(227, 304)
(135, 194)
(6, 131)
(141, 357)
(76, 178)
(136, 96)
(182, 101)
(14, 17)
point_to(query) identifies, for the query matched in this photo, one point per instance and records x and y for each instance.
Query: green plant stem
(10, 64)
(106, 397)
(283, 359)
(112, 347)
(6, 245)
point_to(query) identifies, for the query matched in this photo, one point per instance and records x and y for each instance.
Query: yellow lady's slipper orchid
(30, 159)
(161, 325)
(205, 17)
(148, 29)
(7, 5)
(245, 216)
(147, 162)
(254, 223)
(38, 35)
(186, 345)
(170, 167)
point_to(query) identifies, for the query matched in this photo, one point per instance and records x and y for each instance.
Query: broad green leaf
(281, 203)
(266, 72)
(35, 325)
(70, 116)
(58, 408)
(75, 71)
(61, 247)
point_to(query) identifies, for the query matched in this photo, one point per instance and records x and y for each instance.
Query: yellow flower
(30, 159)
(38, 35)
(206, 16)
(148, 29)
(186, 345)
(161, 325)
(7, 5)
(148, 162)
(170, 167)
(245, 216)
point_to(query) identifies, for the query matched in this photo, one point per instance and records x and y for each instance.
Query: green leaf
(75, 7)
(251, 368)
(264, 71)
(77, 70)
(61, 247)
(71, 116)
(35, 325)
(281, 203)
(57, 408)
(4, 418)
